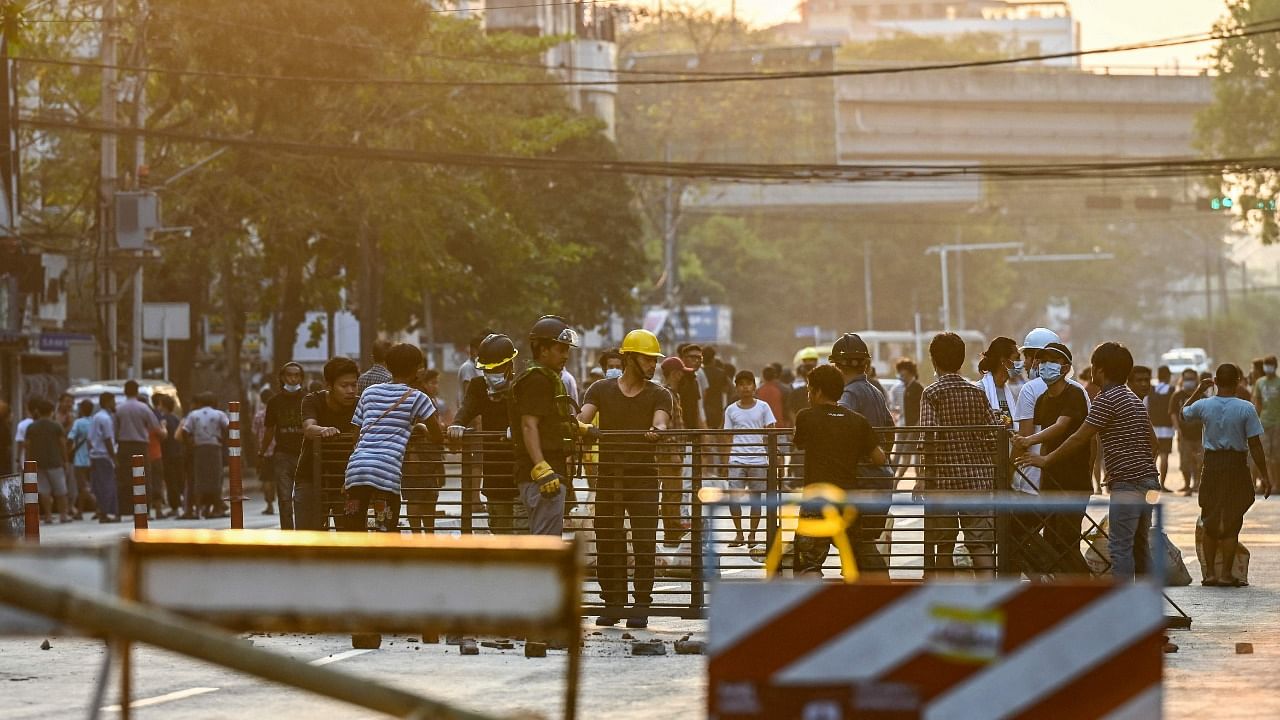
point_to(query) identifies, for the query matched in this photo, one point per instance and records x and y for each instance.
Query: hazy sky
(1103, 23)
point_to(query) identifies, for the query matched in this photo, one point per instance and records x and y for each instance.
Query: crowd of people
(1106, 427)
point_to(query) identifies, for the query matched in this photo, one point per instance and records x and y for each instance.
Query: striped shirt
(385, 413)
(1124, 430)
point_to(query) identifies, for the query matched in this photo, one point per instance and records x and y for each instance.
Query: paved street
(1205, 676)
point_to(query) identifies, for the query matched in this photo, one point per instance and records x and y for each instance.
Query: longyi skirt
(1226, 491)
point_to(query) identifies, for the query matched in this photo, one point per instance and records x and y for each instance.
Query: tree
(1243, 120)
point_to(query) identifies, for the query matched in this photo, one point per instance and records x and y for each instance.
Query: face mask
(1050, 372)
(613, 373)
(1269, 369)
(1189, 385)
(1018, 367)
(495, 383)
(292, 388)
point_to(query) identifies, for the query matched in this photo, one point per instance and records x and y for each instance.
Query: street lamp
(942, 251)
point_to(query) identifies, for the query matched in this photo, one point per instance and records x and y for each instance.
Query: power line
(803, 173)
(1273, 27)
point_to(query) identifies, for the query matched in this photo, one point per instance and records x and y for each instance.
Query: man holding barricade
(484, 408)
(637, 409)
(852, 358)
(1119, 419)
(325, 415)
(543, 426)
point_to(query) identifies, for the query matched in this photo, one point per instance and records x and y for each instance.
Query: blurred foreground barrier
(175, 586)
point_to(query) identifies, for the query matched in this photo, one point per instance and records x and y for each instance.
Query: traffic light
(1226, 204)
(1221, 203)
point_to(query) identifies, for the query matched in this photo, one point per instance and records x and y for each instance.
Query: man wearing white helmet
(1024, 414)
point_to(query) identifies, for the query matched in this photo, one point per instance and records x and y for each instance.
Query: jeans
(546, 514)
(284, 466)
(1129, 526)
(102, 473)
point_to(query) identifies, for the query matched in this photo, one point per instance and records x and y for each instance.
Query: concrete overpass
(998, 115)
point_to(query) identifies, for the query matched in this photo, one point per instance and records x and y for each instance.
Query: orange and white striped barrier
(31, 502)
(940, 650)
(234, 468)
(141, 510)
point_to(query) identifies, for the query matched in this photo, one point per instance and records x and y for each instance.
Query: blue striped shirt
(385, 427)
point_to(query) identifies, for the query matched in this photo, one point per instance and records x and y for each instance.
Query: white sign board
(166, 321)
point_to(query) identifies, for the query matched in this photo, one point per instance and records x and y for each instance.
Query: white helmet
(1040, 337)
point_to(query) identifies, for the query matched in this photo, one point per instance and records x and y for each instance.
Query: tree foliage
(277, 235)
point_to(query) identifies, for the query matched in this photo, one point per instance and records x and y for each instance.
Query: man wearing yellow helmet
(636, 408)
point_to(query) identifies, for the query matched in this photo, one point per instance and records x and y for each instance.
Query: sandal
(1235, 582)
(1211, 582)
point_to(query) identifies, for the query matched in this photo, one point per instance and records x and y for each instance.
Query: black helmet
(556, 329)
(495, 351)
(848, 348)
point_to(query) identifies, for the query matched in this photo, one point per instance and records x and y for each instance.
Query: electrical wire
(803, 173)
(1273, 27)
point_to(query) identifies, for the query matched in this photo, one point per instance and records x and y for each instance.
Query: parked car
(146, 388)
(1179, 359)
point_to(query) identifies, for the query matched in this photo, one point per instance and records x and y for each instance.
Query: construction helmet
(556, 329)
(848, 348)
(1039, 338)
(809, 353)
(495, 351)
(642, 342)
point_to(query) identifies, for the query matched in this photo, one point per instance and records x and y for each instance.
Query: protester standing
(635, 408)
(282, 431)
(47, 445)
(908, 450)
(1232, 431)
(266, 451)
(1190, 434)
(485, 409)
(956, 461)
(673, 459)
(377, 372)
(1266, 399)
(78, 437)
(1158, 400)
(748, 459)
(172, 454)
(326, 415)
(207, 426)
(102, 454)
(135, 423)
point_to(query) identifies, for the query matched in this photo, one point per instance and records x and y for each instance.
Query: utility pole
(866, 282)
(106, 192)
(139, 162)
(669, 235)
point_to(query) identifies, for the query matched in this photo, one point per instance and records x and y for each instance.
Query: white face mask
(292, 388)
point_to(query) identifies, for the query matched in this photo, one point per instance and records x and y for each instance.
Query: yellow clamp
(834, 523)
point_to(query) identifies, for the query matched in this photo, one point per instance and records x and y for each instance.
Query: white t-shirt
(748, 449)
(1027, 479)
(21, 436)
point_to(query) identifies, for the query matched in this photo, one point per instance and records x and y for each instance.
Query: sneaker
(637, 623)
(606, 621)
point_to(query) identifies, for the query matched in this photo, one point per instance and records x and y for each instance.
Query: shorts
(748, 477)
(52, 481)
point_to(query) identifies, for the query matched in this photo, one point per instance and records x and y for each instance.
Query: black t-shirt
(44, 444)
(284, 413)
(621, 412)
(1158, 407)
(1072, 473)
(911, 403)
(535, 394)
(690, 399)
(1192, 430)
(835, 441)
(494, 414)
(713, 400)
(336, 451)
(798, 399)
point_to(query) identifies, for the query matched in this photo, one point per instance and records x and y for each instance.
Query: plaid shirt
(957, 460)
(375, 375)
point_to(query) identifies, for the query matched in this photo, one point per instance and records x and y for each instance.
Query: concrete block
(469, 648)
(1244, 648)
(690, 647)
(535, 649)
(498, 644)
(651, 648)
(366, 641)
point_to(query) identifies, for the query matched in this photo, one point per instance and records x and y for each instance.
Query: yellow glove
(547, 478)
(589, 431)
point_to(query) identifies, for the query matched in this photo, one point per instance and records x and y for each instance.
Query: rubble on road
(649, 648)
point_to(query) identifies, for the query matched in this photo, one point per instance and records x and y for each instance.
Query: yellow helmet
(809, 353)
(643, 342)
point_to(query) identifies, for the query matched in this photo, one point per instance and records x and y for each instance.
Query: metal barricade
(636, 506)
